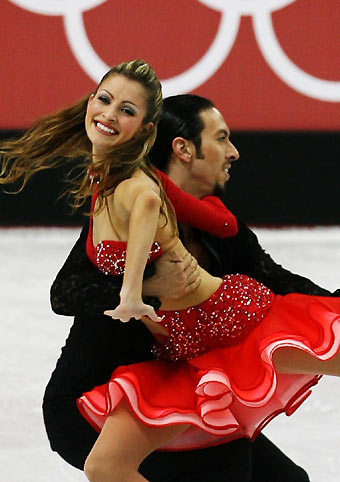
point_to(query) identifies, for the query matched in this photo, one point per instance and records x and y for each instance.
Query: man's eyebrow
(128, 101)
(223, 131)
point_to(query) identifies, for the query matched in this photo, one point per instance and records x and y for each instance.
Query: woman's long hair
(61, 137)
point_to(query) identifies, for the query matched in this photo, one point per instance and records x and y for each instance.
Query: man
(193, 147)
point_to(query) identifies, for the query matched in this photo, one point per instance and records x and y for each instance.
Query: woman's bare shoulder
(129, 189)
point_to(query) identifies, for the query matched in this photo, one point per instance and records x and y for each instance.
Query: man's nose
(232, 153)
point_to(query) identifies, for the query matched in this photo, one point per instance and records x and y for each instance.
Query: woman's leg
(123, 444)
(293, 360)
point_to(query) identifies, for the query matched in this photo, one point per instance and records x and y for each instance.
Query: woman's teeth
(105, 129)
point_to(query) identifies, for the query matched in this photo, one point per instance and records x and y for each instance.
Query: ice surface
(31, 338)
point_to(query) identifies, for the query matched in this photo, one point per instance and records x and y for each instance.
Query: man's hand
(174, 278)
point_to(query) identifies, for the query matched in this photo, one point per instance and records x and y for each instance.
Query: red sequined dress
(214, 371)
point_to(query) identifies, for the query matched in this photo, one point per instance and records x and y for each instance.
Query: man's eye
(223, 138)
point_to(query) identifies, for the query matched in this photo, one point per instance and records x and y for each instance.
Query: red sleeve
(206, 214)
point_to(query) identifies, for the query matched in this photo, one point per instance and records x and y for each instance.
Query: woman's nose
(110, 113)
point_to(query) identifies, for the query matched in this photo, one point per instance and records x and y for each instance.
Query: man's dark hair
(180, 117)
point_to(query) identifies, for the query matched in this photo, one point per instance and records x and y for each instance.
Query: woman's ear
(90, 99)
(183, 149)
(146, 127)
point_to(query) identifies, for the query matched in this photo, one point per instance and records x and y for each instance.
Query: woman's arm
(208, 214)
(81, 289)
(143, 222)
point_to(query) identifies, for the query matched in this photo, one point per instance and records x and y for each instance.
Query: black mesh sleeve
(255, 262)
(80, 288)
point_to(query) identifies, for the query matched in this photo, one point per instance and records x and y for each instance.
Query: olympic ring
(231, 12)
(291, 74)
(57, 7)
(247, 7)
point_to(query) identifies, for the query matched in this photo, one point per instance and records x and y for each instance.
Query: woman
(63, 135)
(130, 206)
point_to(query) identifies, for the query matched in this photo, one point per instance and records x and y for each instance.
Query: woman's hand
(136, 309)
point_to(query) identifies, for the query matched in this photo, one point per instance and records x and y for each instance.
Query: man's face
(210, 167)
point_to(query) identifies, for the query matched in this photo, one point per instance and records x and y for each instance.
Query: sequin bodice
(225, 319)
(109, 255)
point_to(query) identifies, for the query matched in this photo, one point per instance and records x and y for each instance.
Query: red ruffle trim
(227, 393)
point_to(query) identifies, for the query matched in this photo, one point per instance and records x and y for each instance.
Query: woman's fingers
(125, 314)
(153, 315)
(118, 315)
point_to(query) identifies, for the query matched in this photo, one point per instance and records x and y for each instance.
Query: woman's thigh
(125, 438)
(293, 360)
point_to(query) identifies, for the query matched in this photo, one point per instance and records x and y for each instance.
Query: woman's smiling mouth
(103, 129)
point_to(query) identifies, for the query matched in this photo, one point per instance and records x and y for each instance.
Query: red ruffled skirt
(228, 392)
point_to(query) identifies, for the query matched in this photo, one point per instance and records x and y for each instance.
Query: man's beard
(219, 191)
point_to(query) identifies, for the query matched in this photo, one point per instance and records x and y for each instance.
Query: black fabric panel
(281, 178)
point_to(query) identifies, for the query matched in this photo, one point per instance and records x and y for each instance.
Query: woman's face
(115, 112)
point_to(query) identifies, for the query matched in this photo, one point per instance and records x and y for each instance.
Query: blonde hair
(61, 137)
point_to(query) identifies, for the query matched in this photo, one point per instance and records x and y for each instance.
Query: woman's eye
(128, 111)
(103, 99)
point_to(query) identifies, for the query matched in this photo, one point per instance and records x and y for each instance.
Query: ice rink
(31, 338)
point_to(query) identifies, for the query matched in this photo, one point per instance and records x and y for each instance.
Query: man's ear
(183, 149)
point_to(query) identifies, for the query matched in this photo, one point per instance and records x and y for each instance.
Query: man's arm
(255, 262)
(80, 288)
